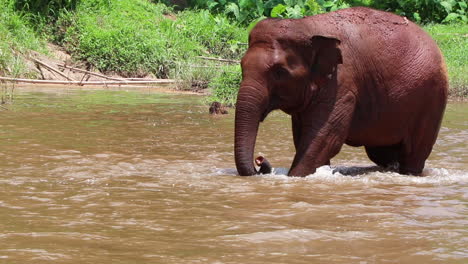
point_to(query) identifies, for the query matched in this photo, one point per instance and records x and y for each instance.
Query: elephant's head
(285, 67)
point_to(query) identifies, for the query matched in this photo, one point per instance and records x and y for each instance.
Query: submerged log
(90, 73)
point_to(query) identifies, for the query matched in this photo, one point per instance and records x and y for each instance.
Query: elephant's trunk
(250, 108)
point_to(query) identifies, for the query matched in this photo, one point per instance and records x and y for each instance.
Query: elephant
(356, 76)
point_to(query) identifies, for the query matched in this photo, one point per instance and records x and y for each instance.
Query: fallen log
(124, 82)
(50, 68)
(89, 72)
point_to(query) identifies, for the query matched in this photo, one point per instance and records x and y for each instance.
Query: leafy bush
(425, 11)
(246, 11)
(216, 33)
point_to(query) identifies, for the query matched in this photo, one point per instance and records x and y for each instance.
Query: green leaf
(447, 5)
(313, 8)
(260, 7)
(344, 5)
(233, 8)
(462, 4)
(463, 7)
(271, 3)
(328, 4)
(451, 17)
(244, 4)
(278, 10)
(294, 12)
(211, 5)
(417, 17)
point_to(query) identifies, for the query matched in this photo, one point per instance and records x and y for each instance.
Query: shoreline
(170, 88)
(160, 88)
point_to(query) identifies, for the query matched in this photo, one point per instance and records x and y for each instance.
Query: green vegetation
(17, 39)
(136, 38)
(246, 11)
(133, 38)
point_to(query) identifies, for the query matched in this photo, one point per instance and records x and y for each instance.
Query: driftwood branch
(216, 59)
(2, 107)
(89, 72)
(51, 69)
(82, 78)
(124, 82)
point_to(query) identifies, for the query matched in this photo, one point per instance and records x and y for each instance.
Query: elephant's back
(398, 72)
(386, 34)
(392, 52)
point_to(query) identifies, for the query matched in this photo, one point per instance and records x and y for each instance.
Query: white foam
(375, 175)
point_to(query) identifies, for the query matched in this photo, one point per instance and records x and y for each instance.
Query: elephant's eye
(280, 73)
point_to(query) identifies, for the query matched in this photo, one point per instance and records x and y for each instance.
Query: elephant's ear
(327, 55)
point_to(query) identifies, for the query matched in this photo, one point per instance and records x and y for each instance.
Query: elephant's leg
(385, 156)
(412, 162)
(417, 146)
(323, 132)
(296, 129)
(414, 155)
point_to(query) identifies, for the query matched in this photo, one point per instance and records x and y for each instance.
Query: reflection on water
(120, 177)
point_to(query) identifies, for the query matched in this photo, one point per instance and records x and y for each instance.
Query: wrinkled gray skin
(356, 76)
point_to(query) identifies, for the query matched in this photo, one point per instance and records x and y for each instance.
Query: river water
(142, 177)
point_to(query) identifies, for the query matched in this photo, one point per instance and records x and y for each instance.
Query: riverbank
(140, 39)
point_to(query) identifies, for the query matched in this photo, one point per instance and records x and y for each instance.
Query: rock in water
(216, 108)
(264, 164)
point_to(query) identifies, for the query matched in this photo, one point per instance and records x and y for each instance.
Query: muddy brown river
(141, 177)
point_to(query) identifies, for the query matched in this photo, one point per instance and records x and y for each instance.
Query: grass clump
(453, 40)
(131, 38)
(225, 86)
(215, 33)
(216, 36)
